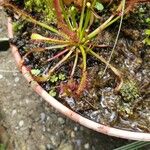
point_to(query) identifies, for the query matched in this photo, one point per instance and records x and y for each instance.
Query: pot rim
(68, 112)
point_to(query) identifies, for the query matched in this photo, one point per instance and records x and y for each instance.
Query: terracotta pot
(68, 112)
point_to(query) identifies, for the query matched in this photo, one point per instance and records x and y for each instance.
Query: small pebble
(66, 146)
(1, 76)
(42, 116)
(148, 117)
(75, 128)
(78, 142)
(15, 74)
(27, 101)
(87, 146)
(61, 120)
(21, 123)
(49, 147)
(72, 134)
(48, 129)
(55, 140)
(44, 129)
(42, 147)
(14, 112)
(17, 79)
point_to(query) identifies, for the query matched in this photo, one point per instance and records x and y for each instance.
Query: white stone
(42, 116)
(21, 123)
(17, 79)
(87, 146)
(1, 76)
(14, 112)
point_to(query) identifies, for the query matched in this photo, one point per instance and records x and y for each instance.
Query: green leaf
(17, 26)
(61, 76)
(99, 6)
(36, 36)
(52, 93)
(147, 41)
(134, 146)
(53, 78)
(35, 72)
(148, 20)
(147, 32)
(2, 147)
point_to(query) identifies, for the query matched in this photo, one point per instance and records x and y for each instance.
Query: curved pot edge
(68, 112)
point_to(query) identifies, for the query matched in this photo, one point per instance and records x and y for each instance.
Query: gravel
(1, 76)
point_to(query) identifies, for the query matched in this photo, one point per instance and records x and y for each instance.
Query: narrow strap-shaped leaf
(133, 146)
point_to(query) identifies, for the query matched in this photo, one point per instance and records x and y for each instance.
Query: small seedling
(62, 77)
(2, 147)
(53, 78)
(35, 72)
(99, 6)
(147, 39)
(52, 93)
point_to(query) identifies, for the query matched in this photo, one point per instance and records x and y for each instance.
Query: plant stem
(61, 61)
(65, 15)
(47, 76)
(87, 19)
(73, 19)
(88, 16)
(57, 55)
(100, 28)
(40, 50)
(116, 40)
(116, 71)
(75, 64)
(81, 19)
(107, 23)
(82, 84)
(61, 23)
(84, 57)
(56, 46)
(94, 2)
(30, 19)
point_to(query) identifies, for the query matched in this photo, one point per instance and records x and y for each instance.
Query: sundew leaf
(99, 6)
(36, 36)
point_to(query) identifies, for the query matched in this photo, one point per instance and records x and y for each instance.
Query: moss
(17, 26)
(42, 6)
(129, 91)
(2, 147)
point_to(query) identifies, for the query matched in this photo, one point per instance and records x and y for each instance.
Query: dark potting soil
(128, 110)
